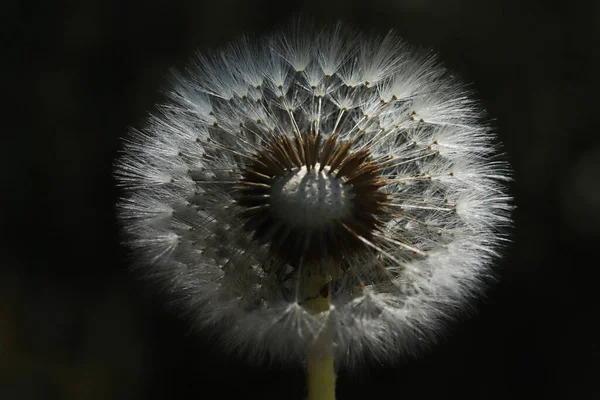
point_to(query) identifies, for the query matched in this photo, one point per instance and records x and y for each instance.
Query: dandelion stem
(319, 361)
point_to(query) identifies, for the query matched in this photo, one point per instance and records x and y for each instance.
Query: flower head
(321, 153)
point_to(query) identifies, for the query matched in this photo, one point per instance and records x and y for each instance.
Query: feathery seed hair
(316, 152)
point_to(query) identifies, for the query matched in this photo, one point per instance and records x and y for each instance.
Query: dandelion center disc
(311, 199)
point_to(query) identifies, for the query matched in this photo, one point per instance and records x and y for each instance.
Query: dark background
(74, 324)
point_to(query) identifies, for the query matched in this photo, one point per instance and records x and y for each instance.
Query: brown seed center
(310, 202)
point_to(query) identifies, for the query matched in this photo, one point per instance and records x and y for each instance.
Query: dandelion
(316, 195)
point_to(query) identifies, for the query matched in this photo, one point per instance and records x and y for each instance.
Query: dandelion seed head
(324, 152)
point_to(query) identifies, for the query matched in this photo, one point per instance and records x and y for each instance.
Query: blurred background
(74, 324)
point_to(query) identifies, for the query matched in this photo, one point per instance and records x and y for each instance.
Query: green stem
(319, 362)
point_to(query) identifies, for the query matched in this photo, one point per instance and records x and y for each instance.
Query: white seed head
(318, 152)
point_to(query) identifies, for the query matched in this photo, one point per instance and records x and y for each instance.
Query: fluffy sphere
(316, 152)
